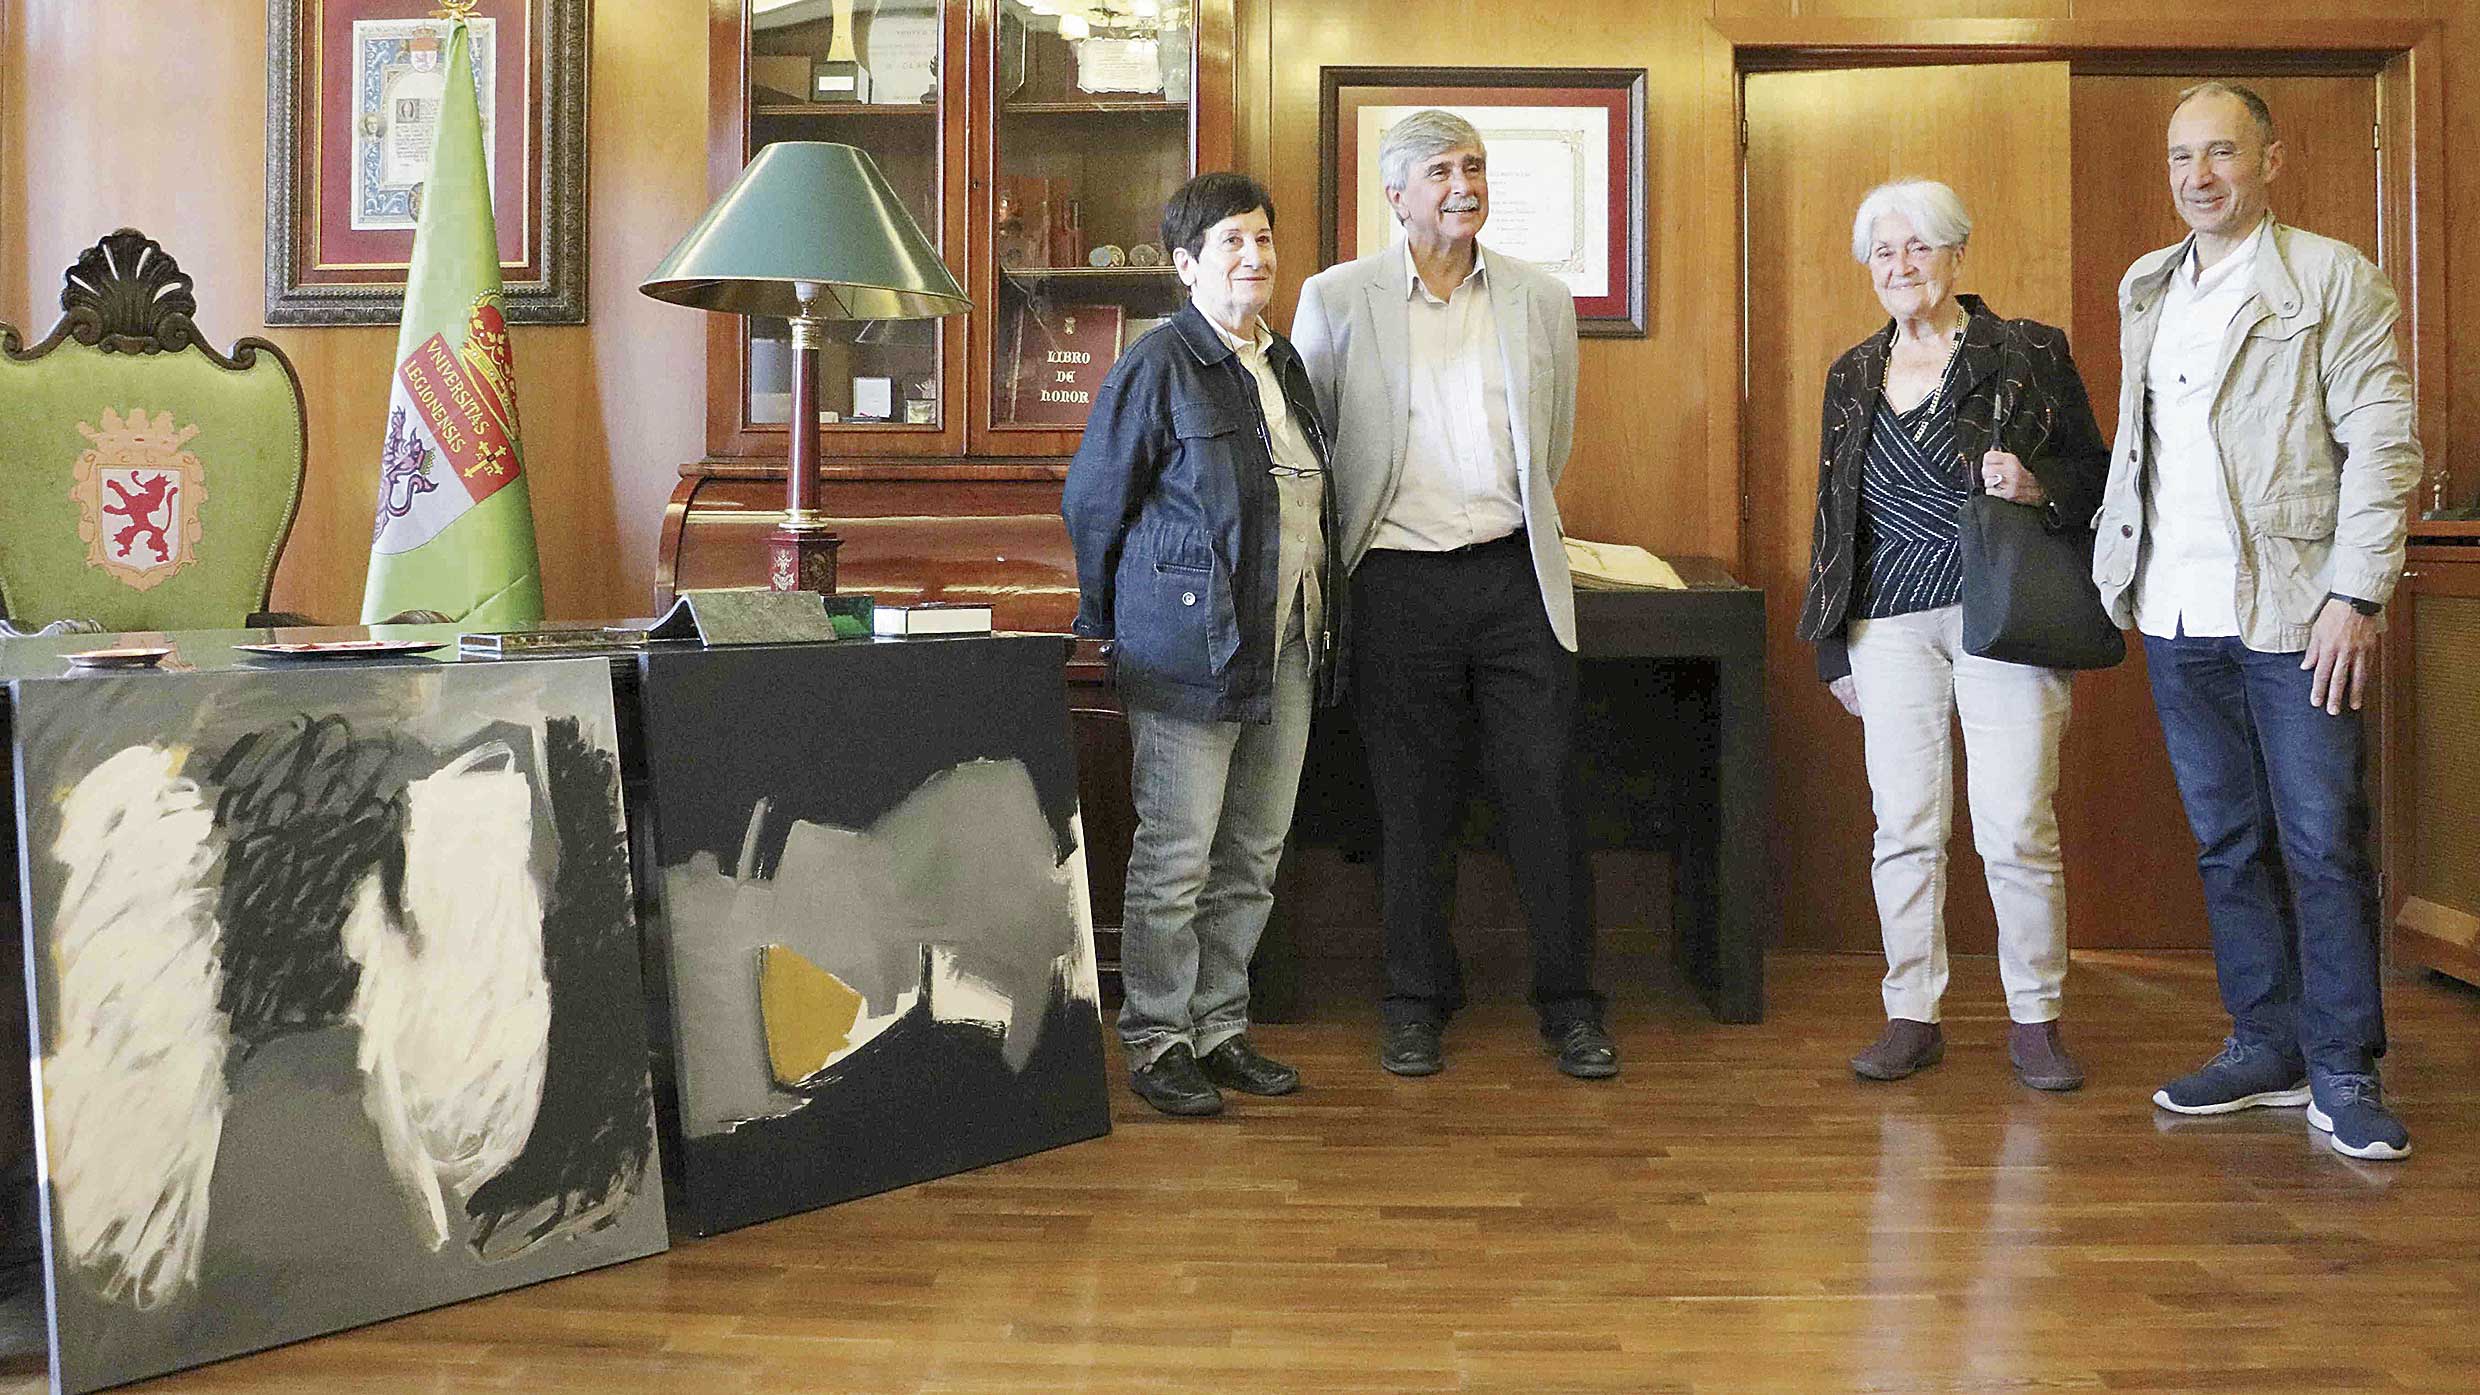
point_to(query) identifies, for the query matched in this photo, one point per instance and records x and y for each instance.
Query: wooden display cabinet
(955, 495)
(999, 125)
(2430, 772)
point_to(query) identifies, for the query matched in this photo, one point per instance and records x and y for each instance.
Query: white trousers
(1914, 679)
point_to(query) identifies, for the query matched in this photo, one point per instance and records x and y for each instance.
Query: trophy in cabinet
(839, 77)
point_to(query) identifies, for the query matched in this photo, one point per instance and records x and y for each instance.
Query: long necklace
(1954, 346)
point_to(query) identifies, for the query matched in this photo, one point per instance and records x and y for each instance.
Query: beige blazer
(1353, 330)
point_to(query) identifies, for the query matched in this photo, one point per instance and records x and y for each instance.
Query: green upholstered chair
(147, 482)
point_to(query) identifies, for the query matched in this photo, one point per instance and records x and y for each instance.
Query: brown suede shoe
(1904, 1047)
(2041, 1059)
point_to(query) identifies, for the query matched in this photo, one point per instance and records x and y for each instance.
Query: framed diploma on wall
(353, 91)
(1566, 151)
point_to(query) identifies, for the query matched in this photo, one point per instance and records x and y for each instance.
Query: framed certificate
(353, 94)
(1567, 161)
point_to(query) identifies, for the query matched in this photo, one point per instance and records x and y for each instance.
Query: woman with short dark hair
(1198, 508)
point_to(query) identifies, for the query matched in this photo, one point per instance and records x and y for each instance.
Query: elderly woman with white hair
(1947, 390)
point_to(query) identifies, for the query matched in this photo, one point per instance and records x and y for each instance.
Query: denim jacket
(2313, 418)
(1177, 524)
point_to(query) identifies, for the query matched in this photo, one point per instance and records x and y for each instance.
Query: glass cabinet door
(865, 73)
(1093, 133)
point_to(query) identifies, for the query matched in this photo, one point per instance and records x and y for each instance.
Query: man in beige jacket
(2252, 529)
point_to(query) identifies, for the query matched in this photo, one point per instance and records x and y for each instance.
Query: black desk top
(212, 651)
(1715, 617)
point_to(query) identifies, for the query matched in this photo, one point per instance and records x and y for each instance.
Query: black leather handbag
(2028, 594)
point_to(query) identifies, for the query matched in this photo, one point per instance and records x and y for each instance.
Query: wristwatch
(2355, 603)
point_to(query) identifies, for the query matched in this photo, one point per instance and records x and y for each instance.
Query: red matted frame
(1617, 94)
(323, 270)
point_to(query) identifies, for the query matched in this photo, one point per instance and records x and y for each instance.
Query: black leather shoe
(1236, 1065)
(1584, 1050)
(1411, 1048)
(1174, 1085)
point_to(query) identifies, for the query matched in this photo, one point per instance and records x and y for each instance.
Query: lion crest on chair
(139, 497)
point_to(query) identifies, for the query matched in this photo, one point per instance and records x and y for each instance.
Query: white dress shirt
(1459, 484)
(1300, 485)
(2188, 581)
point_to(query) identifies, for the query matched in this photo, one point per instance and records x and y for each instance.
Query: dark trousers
(1453, 658)
(2272, 789)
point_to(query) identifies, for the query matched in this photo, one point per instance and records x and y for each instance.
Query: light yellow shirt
(1300, 486)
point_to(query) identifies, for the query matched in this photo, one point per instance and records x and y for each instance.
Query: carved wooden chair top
(147, 482)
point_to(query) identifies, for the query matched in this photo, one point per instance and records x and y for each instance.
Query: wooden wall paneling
(1818, 141)
(727, 96)
(1936, 9)
(1723, 119)
(2445, 223)
(1252, 96)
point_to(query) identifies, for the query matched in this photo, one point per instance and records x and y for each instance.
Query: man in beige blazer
(1448, 376)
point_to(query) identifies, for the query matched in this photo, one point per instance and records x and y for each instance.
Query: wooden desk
(1672, 743)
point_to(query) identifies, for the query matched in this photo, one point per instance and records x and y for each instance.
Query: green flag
(455, 530)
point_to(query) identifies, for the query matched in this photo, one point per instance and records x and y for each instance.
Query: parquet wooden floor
(1734, 1214)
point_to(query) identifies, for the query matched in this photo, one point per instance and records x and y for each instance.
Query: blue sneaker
(2351, 1111)
(2245, 1076)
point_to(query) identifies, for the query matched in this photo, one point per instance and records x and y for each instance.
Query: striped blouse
(1911, 493)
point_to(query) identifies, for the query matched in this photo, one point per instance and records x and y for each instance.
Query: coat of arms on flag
(140, 497)
(452, 430)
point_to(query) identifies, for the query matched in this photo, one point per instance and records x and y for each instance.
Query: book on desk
(930, 618)
(553, 639)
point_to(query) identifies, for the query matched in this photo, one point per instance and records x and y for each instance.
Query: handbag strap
(1998, 413)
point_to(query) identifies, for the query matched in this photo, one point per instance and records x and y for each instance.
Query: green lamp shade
(816, 216)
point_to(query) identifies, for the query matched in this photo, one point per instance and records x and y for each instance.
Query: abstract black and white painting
(873, 918)
(338, 1012)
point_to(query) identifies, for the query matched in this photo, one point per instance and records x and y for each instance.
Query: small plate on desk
(135, 657)
(344, 648)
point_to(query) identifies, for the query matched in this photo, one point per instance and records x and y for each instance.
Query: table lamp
(810, 232)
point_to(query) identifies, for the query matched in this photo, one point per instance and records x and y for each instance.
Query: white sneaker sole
(2264, 1099)
(2323, 1123)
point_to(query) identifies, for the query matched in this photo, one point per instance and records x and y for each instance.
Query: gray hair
(2245, 96)
(1930, 207)
(1417, 137)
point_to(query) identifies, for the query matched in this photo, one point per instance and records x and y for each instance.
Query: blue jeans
(1214, 804)
(2272, 788)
